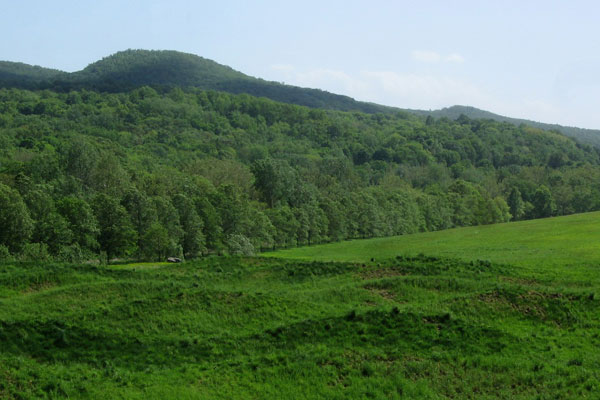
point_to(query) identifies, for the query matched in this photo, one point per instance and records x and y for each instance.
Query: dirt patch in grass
(261, 274)
(385, 294)
(519, 281)
(517, 303)
(378, 273)
(555, 307)
(39, 287)
(381, 292)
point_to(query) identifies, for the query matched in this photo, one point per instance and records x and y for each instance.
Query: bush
(35, 252)
(4, 253)
(71, 254)
(103, 258)
(239, 245)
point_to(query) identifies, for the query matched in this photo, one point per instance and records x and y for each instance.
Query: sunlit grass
(408, 327)
(562, 242)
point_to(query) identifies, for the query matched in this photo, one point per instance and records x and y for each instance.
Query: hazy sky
(532, 59)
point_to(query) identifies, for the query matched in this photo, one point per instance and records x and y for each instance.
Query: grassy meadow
(507, 311)
(568, 242)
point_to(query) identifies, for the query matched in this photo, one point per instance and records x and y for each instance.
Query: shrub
(239, 245)
(35, 252)
(4, 253)
(71, 254)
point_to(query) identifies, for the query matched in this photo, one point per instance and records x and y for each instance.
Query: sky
(533, 59)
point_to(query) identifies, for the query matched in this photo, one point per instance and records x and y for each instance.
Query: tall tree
(274, 180)
(191, 223)
(15, 221)
(156, 243)
(82, 221)
(516, 204)
(543, 203)
(117, 235)
(141, 211)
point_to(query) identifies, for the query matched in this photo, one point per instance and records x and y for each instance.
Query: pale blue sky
(531, 59)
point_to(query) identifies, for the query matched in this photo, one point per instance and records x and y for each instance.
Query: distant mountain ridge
(129, 69)
(590, 136)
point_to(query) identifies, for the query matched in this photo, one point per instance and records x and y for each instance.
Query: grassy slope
(406, 327)
(563, 242)
(269, 328)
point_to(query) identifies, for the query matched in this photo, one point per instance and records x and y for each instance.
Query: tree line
(148, 174)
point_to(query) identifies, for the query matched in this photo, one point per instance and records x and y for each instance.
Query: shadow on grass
(391, 331)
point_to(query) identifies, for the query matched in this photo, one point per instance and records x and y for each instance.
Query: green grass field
(524, 326)
(562, 242)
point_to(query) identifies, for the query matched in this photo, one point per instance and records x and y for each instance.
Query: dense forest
(590, 136)
(147, 174)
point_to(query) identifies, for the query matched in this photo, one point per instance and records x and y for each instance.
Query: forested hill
(164, 70)
(188, 172)
(130, 69)
(15, 74)
(590, 136)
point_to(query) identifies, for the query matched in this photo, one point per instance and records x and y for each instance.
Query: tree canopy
(146, 173)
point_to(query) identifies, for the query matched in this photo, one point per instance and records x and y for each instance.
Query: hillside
(134, 68)
(142, 174)
(130, 69)
(15, 74)
(590, 136)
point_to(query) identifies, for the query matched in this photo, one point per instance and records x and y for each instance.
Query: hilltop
(166, 69)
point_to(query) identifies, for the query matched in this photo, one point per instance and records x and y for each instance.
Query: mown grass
(569, 242)
(406, 327)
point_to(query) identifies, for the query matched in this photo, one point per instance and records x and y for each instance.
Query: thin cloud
(282, 67)
(455, 58)
(416, 91)
(432, 57)
(426, 56)
(387, 87)
(332, 80)
(423, 91)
